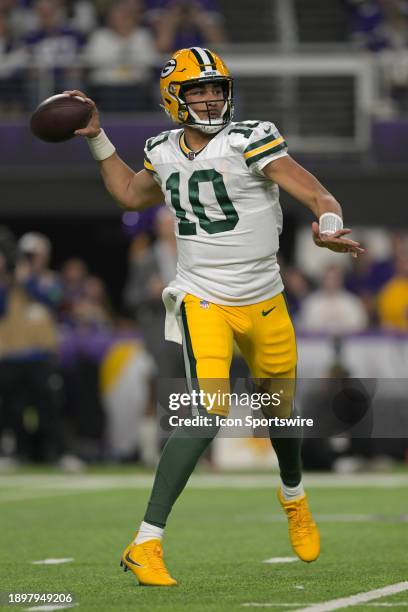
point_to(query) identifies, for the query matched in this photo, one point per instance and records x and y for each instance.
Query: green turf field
(216, 544)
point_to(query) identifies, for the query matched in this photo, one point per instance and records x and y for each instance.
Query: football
(57, 118)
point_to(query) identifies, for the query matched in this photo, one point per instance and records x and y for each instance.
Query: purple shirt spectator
(367, 22)
(58, 47)
(379, 25)
(181, 24)
(371, 280)
(55, 46)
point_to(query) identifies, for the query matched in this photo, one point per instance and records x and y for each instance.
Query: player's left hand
(336, 242)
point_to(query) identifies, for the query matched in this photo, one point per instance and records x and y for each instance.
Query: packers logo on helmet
(168, 68)
(189, 67)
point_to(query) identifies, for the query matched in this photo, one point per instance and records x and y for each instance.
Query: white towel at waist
(172, 299)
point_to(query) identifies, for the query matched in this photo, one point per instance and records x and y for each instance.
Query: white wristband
(100, 146)
(329, 223)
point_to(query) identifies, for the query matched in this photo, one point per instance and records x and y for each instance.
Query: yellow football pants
(264, 334)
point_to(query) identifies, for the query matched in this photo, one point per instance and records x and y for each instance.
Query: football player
(221, 181)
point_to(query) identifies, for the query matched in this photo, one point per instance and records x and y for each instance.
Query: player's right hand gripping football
(94, 127)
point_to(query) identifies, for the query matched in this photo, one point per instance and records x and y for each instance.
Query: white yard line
(281, 560)
(52, 561)
(38, 486)
(34, 495)
(353, 600)
(198, 481)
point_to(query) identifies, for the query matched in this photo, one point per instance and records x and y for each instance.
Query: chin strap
(209, 127)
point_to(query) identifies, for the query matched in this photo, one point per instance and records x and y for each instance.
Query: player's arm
(131, 190)
(298, 182)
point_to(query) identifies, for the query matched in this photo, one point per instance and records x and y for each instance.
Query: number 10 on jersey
(188, 228)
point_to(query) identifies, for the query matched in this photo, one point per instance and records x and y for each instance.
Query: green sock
(177, 462)
(288, 451)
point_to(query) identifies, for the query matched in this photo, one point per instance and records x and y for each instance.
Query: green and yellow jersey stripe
(262, 148)
(148, 165)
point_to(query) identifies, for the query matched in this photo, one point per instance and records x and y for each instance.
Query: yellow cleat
(303, 532)
(146, 562)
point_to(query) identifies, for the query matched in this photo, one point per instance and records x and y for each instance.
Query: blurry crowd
(75, 376)
(368, 294)
(113, 50)
(379, 24)
(78, 377)
(381, 27)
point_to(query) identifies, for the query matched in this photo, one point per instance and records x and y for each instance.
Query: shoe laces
(154, 553)
(300, 517)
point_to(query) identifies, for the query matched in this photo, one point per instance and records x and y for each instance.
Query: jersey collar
(189, 153)
(185, 149)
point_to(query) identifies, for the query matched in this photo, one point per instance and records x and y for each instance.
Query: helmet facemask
(212, 125)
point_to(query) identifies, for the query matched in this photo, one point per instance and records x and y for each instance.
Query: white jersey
(227, 213)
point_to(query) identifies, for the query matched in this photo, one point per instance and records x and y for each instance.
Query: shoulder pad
(257, 140)
(155, 141)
